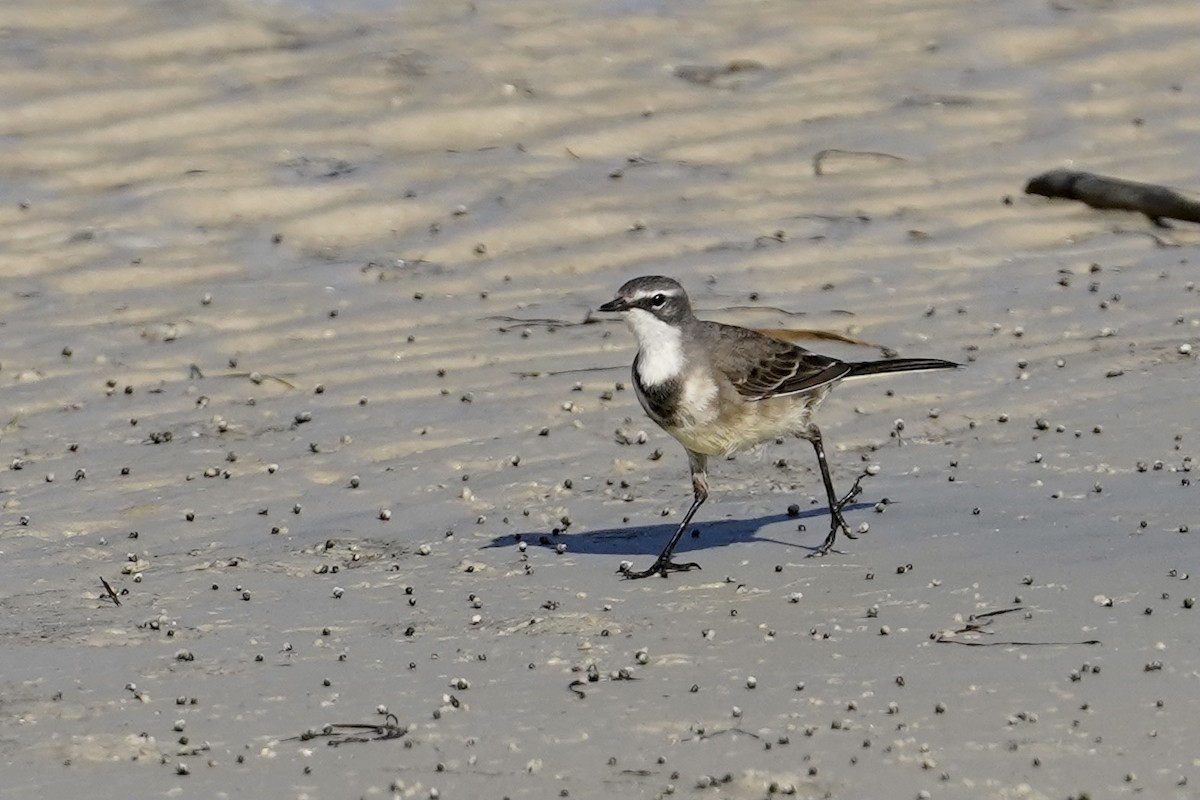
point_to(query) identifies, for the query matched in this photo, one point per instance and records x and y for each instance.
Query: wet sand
(298, 346)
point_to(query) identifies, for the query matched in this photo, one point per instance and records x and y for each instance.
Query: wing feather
(761, 366)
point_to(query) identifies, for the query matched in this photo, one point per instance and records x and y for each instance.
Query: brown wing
(760, 366)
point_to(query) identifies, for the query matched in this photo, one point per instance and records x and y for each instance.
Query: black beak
(616, 304)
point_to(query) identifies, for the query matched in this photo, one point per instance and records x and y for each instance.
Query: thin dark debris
(257, 377)
(544, 373)
(111, 592)
(996, 613)
(860, 217)
(389, 269)
(722, 76)
(1158, 203)
(342, 733)
(924, 100)
(757, 243)
(945, 640)
(1158, 240)
(722, 732)
(543, 322)
(975, 626)
(777, 310)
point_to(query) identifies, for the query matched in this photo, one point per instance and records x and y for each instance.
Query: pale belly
(738, 424)
(714, 419)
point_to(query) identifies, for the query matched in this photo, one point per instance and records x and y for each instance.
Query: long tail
(863, 369)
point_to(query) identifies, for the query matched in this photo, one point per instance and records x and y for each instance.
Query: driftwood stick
(1156, 202)
(111, 592)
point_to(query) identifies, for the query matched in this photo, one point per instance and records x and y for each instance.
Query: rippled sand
(297, 340)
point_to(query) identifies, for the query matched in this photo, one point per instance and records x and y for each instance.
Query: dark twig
(1099, 191)
(977, 623)
(1158, 240)
(339, 734)
(257, 377)
(111, 592)
(946, 640)
(776, 309)
(541, 374)
(996, 613)
(542, 322)
(713, 75)
(723, 731)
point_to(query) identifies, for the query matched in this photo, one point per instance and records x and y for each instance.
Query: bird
(719, 389)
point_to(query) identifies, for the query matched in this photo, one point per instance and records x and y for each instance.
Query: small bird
(720, 389)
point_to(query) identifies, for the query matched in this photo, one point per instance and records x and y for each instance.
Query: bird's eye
(659, 300)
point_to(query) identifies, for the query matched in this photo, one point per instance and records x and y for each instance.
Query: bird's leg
(836, 520)
(663, 564)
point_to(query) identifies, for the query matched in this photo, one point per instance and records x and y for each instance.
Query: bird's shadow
(650, 539)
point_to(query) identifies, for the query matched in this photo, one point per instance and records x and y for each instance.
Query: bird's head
(650, 299)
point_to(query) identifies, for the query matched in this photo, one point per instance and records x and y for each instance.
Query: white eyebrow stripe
(642, 294)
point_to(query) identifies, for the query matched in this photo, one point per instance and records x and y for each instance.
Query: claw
(826, 547)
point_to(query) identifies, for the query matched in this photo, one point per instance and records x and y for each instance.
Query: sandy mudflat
(270, 272)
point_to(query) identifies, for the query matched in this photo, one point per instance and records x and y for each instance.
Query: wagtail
(719, 389)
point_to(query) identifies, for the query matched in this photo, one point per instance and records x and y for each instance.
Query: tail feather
(863, 369)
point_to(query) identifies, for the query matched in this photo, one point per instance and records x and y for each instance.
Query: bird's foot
(838, 522)
(827, 546)
(661, 566)
(850, 496)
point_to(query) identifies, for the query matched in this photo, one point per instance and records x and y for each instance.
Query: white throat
(661, 347)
